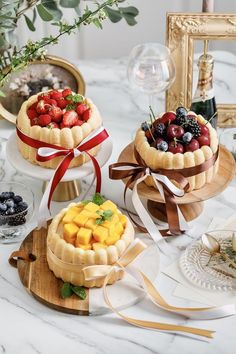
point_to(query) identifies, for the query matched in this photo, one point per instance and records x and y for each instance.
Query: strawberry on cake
(177, 140)
(58, 117)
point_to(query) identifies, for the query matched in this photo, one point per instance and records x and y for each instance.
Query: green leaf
(97, 23)
(107, 214)
(2, 94)
(29, 23)
(51, 6)
(98, 199)
(44, 13)
(69, 3)
(34, 15)
(114, 15)
(79, 291)
(129, 13)
(70, 106)
(130, 10)
(99, 221)
(66, 290)
(75, 98)
(130, 19)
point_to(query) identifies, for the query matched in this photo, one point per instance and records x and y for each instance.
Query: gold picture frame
(56, 62)
(182, 30)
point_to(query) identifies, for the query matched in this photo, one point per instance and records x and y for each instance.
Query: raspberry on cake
(177, 140)
(87, 234)
(58, 117)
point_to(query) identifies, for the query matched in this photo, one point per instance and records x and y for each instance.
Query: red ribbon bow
(69, 156)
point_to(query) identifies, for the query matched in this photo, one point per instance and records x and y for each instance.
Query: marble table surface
(28, 327)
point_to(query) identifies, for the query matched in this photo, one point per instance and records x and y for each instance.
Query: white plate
(35, 171)
(206, 271)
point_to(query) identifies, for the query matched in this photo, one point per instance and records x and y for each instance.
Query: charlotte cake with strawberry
(58, 117)
(177, 140)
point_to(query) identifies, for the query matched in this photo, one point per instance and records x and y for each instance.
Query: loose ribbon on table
(124, 263)
(46, 152)
(137, 173)
(94, 272)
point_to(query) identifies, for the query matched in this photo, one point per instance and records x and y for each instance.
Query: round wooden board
(226, 173)
(46, 287)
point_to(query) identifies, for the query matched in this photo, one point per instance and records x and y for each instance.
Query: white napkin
(187, 290)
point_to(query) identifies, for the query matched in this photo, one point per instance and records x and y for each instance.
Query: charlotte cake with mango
(58, 117)
(88, 233)
(177, 140)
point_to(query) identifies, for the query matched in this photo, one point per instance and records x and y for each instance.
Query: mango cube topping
(80, 219)
(112, 239)
(71, 213)
(84, 236)
(108, 205)
(91, 226)
(91, 207)
(122, 219)
(100, 234)
(70, 232)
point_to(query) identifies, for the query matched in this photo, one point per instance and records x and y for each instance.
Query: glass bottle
(204, 98)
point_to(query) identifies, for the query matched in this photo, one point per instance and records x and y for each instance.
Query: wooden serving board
(41, 282)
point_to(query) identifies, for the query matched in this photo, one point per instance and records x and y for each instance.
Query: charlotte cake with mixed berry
(58, 117)
(177, 140)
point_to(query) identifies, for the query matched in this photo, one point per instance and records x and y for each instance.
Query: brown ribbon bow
(134, 171)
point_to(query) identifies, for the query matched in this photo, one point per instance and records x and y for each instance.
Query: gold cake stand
(191, 204)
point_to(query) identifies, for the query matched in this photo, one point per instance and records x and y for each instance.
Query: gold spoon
(211, 245)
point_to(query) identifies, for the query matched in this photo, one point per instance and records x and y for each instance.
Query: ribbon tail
(148, 222)
(154, 325)
(176, 221)
(97, 170)
(204, 313)
(44, 207)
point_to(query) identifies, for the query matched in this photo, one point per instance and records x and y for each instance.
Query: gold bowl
(58, 68)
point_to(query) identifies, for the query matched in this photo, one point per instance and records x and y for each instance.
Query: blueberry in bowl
(16, 210)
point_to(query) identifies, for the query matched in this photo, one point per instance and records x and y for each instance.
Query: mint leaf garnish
(75, 98)
(79, 291)
(98, 199)
(104, 215)
(66, 291)
(70, 106)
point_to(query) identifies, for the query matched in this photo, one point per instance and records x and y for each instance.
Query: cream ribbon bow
(137, 246)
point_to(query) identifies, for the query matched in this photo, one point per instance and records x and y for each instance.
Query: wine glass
(151, 69)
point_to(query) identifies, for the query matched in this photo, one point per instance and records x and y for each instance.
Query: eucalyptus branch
(34, 50)
(21, 12)
(12, 59)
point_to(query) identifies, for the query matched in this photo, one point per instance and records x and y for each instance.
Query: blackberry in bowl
(16, 210)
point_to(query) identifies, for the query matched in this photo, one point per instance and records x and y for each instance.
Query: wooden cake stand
(191, 204)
